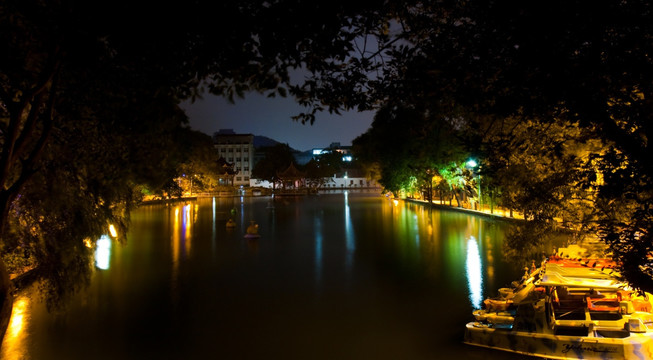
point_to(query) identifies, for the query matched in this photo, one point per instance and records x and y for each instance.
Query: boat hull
(635, 346)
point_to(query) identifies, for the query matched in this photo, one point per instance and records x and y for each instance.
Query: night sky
(271, 117)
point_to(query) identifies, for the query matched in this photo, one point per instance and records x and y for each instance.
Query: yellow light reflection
(175, 255)
(187, 229)
(474, 275)
(14, 343)
(175, 240)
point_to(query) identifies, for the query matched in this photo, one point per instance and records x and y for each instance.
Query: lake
(342, 275)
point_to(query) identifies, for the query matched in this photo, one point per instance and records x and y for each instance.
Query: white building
(336, 182)
(237, 149)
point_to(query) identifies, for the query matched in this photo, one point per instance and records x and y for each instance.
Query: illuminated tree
(411, 145)
(505, 60)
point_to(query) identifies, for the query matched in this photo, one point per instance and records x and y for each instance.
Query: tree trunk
(455, 194)
(492, 202)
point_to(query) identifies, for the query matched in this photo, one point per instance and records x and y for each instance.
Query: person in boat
(231, 223)
(252, 229)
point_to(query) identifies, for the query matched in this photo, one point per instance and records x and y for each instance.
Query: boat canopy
(555, 275)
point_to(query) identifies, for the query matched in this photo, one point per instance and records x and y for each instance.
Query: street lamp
(471, 163)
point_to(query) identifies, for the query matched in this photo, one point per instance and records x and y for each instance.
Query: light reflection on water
(474, 275)
(393, 280)
(103, 252)
(14, 345)
(349, 232)
(318, 250)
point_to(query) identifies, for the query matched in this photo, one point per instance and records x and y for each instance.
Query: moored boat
(566, 310)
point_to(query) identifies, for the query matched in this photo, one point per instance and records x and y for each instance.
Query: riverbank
(256, 192)
(496, 213)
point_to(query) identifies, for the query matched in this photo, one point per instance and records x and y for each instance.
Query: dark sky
(259, 115)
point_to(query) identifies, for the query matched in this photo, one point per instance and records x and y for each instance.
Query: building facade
(237, 149)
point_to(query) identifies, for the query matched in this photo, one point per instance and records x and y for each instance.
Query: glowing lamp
(112, 231)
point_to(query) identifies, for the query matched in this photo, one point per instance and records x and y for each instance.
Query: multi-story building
(237, 149)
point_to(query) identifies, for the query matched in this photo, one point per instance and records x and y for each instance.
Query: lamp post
(471, 163)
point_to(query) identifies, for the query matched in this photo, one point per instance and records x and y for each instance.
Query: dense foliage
(89, 113)
(553, 98)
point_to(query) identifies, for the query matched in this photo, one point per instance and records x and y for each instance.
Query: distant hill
(264, 141)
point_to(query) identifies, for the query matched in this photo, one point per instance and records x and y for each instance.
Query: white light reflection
(103, 252)
(349, 233)
(318, 249)
(474, 275)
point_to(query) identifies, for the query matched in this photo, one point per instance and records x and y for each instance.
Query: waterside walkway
(496, 212)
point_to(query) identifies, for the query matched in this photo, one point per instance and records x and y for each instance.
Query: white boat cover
(555, 275)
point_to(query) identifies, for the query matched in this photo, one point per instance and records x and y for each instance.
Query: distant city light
(346, 158)
(318, 151)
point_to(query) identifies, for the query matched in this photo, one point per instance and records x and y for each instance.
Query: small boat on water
(230, 224)
(571, 308)
(252, 231)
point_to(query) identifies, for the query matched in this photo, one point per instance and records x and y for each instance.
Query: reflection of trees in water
(52, 233)
(59, 276)
(526, 242)
(64, 277)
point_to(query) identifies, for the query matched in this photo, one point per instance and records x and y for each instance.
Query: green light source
(471, 163)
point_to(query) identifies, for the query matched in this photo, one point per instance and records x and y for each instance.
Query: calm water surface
(337, 276)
